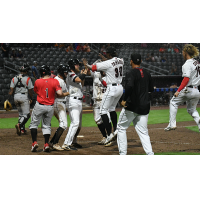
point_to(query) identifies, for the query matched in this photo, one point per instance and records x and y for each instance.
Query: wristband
(82, 76)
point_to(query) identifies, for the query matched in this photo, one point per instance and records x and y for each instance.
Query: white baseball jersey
(63, 86)
(21, 83)
(75, 89)
(113, 69)
(98, 88)
(191, 69)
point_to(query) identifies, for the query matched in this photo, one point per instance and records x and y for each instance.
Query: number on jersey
(47, 94)
(198, 70)
(118, 72)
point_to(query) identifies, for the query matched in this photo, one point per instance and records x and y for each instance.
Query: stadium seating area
(53, 56)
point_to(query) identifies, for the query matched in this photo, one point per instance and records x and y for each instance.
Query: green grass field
(155, 117)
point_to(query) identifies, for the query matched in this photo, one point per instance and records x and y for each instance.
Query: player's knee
(190, 111)
(75, 124)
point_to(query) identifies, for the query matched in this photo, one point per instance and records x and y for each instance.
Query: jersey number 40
(118, 72)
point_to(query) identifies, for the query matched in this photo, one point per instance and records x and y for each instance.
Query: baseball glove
(7, 105)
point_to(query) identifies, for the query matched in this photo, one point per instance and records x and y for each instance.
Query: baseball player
(45, 88)
(188, 91)
(99, 88)
(74, 104)
(22, 85)
(136, 103)
(113, 68)
(60, 107)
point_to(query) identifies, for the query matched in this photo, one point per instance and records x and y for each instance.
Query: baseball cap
(136, 58)
(52, 72)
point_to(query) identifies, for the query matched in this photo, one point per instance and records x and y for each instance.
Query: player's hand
(66, 94)
(123, 103)
(176, 94)
(85, 62)
(102, 57)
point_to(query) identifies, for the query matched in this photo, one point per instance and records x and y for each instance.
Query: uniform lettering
(117, 62)
(198, 70)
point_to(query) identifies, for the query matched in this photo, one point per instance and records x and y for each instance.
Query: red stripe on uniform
(27, 80)
(13, 80)
(72, 75)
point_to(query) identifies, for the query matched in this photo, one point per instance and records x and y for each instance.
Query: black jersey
(137, 87)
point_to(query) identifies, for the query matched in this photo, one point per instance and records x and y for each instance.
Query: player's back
(46, 90)
(191, 69)
(113, 69)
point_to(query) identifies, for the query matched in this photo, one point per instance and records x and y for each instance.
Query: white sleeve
(186, 70)
(103, 65)
(72, 76)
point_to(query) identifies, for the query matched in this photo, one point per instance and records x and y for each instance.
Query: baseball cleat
(57, 147)
(170, 128)
(18, 129)
(24, 131)
(109, 138)
(109, 144)
(46, 147)
(68, 147)
(50, 145)
(76, 145)
(102, 141)
(34, 146)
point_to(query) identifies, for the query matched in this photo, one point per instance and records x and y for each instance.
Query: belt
(190, 86)
(45, 105)
(98, 99)
(114, 84)
(78, 98)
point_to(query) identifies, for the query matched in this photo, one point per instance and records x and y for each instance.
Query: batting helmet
(45, 70)
(71, 64)
(24, 68)
(76, 61)
(61, 69)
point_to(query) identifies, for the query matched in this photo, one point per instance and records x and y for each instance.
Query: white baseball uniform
(74, 106)
(98, 92)
(190, 94)
(60, 105)
(113, 69)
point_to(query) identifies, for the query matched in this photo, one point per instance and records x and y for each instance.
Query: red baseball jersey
(46, 90)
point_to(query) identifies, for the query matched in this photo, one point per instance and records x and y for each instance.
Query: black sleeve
(129, 85)
(151, 87)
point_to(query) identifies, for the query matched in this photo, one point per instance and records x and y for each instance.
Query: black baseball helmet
(24, 68)
(61, 69)
(45, 70)
(71, 64)
(76, 61)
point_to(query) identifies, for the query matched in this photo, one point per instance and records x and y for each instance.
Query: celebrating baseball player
(74, 104)
(99, 88)
(22, 85)
(113, 68)
(45, 88)
(60, 108)
(136, 105)
(188, 91)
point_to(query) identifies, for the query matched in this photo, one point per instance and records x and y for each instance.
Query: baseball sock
(113, 116)
(46, 138)
(106, 123)
(58, 134)
(34, 134)
(102, 129)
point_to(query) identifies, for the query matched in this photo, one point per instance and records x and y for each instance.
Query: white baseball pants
(140, 123)
(60, 110)
(44, 113)
(75, 112)
(191, 97)
(111, 98)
